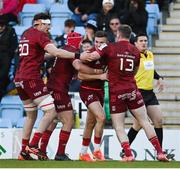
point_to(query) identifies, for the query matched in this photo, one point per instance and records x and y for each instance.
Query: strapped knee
(30, 107)
(47, 103)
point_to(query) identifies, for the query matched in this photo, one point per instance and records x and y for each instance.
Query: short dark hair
(125, 31)
(87, 41)
(138, 35)
(41, 16)
(69, 23)
(101, 34)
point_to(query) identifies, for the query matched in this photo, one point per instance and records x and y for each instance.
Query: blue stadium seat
(20, 122)
(55, 31)
(28, 12)
(11, 100)
(13, 113)
(58, 21)
(11, 108)
(64, 1)
(60, 9)
(5, 123)
(19, 30)
(47, 3)
(80, 29)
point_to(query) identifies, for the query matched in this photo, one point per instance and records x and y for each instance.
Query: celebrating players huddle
(122, 60)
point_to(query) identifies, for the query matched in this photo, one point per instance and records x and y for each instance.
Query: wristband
(77, 56)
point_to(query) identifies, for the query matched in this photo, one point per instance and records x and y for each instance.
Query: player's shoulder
(102, 46)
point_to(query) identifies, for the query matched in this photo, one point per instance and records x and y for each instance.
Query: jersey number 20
(23, 49)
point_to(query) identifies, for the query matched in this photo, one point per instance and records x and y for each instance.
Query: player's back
(122, 59)
(62, 72)
(31, 52)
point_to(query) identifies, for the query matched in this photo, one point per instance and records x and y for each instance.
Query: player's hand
(86, 56)
(160, 85)
(98, 71)
(104, 76)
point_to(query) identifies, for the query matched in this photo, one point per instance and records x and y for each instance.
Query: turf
(80, 164)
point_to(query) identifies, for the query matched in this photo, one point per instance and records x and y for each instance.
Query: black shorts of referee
(149, 97)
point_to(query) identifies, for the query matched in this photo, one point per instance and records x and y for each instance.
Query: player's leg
(141, 116)
(132, 133)
(46, 136)
(67, 119)
(89, 126)
(118, 125)
(97, 110)
(47, 106)
(31, 114)
(155, 114)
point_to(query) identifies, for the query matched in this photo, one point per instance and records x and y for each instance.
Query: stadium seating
(47, 3)
(55, 31)
(19, 30)
(80, 29)
(28, 12)
(20, 122)
(58, 22)
(11, 108)
(5, 123)
(59, 12)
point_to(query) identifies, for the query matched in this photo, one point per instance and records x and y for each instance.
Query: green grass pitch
(80, 164)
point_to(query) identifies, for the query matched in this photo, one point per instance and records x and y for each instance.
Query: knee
(101, 118)
(118, 128)
(68, 122)
(158, 123)
(136, 126)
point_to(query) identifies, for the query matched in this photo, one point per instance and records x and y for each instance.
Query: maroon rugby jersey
(62, 72)
(98, 64)
(122, 59)
(31, 52)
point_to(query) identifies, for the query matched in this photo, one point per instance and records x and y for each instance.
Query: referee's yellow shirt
(145, 75)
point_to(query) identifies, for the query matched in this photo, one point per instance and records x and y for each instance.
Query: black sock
(159, 133)
(132, 135)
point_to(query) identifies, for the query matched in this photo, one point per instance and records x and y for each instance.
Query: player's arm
(88, 77)
(85, 56)
(61, 53)
(160, 81)
(81, 67)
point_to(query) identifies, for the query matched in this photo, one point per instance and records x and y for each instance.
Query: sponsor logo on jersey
(37, 93)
